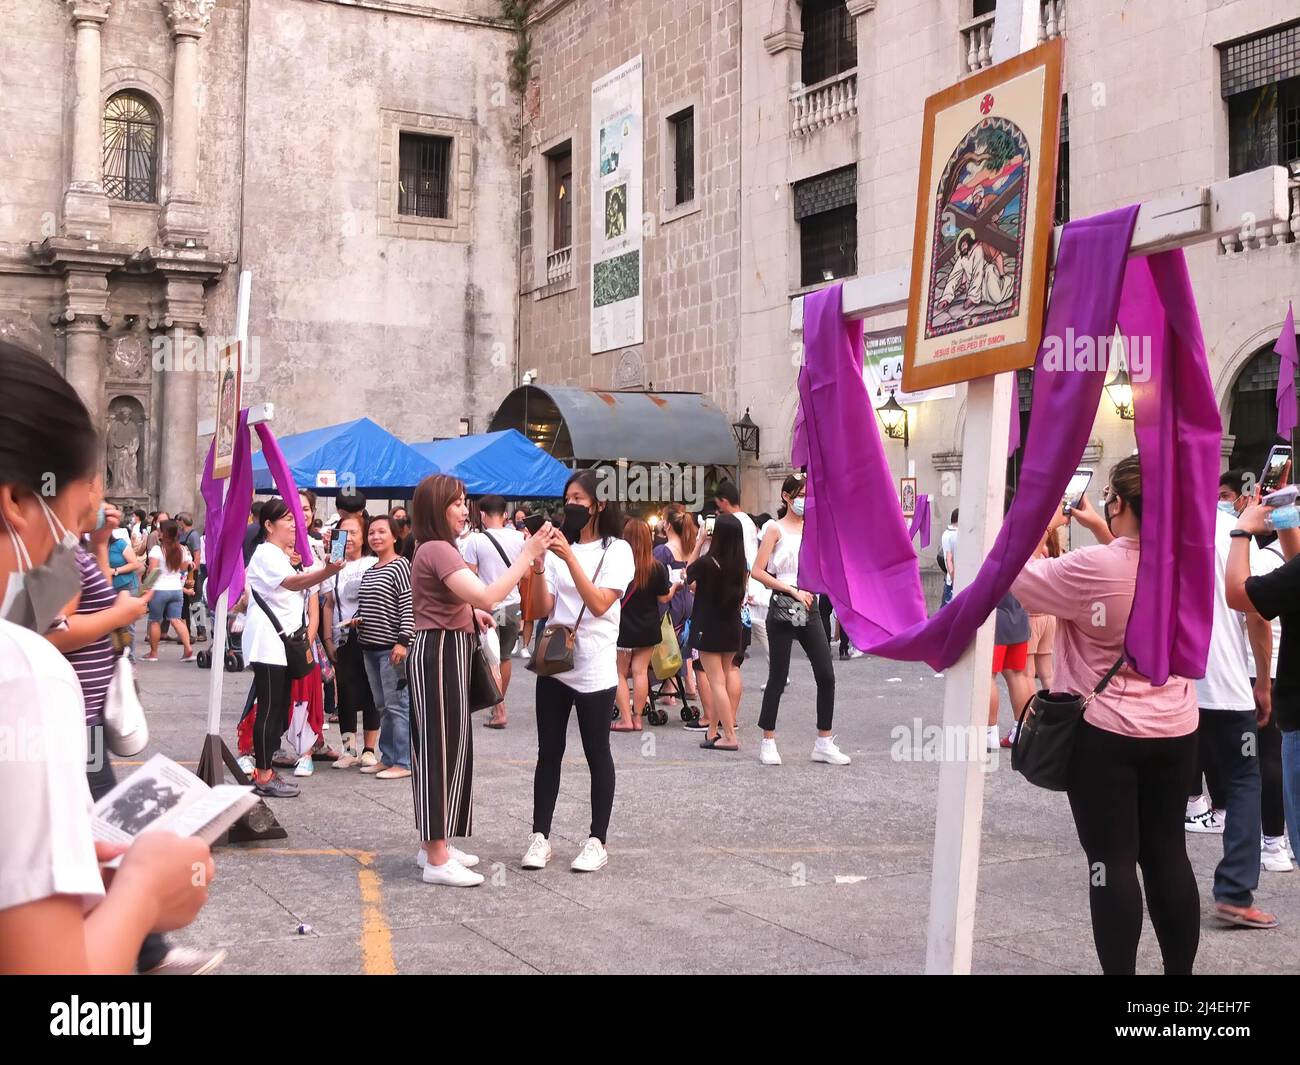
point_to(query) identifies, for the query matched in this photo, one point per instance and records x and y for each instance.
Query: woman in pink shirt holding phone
(1137, 743)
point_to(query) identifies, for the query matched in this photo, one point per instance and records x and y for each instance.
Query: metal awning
(582, 425)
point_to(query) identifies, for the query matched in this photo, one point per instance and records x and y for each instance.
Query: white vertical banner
(617, 168)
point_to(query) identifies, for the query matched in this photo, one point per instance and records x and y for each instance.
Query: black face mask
(576, 518)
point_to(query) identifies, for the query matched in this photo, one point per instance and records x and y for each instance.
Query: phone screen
(1276, 468)
(709, 523)
(338, 544)
(1077, 486)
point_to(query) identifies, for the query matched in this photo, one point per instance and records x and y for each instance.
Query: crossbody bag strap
(593, 581)
(1110, 675)
(504, 557)
(267, 610)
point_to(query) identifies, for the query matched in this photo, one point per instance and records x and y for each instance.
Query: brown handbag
(553, 652)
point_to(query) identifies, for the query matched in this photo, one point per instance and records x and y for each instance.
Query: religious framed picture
(985, 200)
(230, 373)
(907, 495)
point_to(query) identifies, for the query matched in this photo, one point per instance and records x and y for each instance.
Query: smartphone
(1283, 497)
(709, 523)
(150, 579)
(1074, 491)
(338, 544)
(1276, 470)
(534, 522)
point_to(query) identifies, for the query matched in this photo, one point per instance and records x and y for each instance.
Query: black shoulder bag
(1045, 734)
(297, 648)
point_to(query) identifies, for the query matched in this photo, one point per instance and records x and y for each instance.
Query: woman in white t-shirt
(55, 914)
(342, 600)
(172, 561)
(586, 573)
(271, 576)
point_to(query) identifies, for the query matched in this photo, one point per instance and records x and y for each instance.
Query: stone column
(85, 207)
(179, 375)
(183, 223)
(84, 315)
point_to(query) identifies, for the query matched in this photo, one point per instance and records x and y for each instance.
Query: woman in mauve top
(446, 596)
(1136, 744)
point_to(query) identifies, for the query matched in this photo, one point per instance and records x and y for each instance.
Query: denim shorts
(165, 606)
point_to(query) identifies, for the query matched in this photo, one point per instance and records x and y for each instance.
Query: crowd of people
(421, 600)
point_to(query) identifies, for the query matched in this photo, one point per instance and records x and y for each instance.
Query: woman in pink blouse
(1137, 743)
(449, 604)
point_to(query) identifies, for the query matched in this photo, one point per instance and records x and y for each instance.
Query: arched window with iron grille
(130, 148)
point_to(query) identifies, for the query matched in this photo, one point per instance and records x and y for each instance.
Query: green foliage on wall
(521, 58)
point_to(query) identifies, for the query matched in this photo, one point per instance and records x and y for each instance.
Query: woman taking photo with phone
(586, 574)
(792, 615)
(342, 608)
(675, 552)
(450, 605)
(719, 581)
(282, 591)
(385, 610)
(57, 914)
(1136, 746)
(171, 561)
(639, 626)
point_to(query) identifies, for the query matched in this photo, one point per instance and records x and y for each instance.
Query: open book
(163, 795)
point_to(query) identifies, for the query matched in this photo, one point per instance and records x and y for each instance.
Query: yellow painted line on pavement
(376, 936)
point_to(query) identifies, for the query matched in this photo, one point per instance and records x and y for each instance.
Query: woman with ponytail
(172, 561)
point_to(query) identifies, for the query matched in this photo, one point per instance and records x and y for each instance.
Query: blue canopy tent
(357, 454)
(502, 463)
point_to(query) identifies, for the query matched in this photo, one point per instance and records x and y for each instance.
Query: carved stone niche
(127, 473)
(629, 372)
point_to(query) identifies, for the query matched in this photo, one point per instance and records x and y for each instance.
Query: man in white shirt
(1230, 734)
(948, 551)
(489, 554)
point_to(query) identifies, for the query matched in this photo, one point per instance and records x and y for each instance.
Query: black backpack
(943, 566)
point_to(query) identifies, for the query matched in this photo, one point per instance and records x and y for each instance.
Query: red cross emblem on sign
(986, 104)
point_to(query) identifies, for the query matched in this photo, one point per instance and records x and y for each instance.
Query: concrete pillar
(84, 316)
(85, 207)
(179, 375)
(183, 223)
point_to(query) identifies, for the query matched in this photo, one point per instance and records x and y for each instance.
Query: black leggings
(274, 689)
(354, 690)
(825, 609)
(812, 638)
(554, 701)
(1128, 796)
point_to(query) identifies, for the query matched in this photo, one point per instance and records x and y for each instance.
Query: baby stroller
(234, 659)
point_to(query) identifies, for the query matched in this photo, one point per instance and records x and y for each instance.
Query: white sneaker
(1196, 807)
(451, 874)
(349, 757)
(247, 765)
(1273, 855)
(767, 753)
(182, 961)
(824, 750)
(991, 738)
(524, 653)
(855, 653)
(1210, 821)
(467, 860)
(304, 767)
(538, 852)
(591, 857)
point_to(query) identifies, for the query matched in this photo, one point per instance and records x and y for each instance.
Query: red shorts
(1010, 656)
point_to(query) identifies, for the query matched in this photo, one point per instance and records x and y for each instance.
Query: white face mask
(797, 506)
(35, 595)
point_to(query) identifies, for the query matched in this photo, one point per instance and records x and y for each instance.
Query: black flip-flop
(494, 724)
(708, 744)
(715, 746)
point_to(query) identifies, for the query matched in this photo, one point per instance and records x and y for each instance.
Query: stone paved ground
(717, 864)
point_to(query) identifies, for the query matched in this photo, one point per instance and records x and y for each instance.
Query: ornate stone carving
(188, 18)
(124, 438)
(89, 10)
(630, 371)
(128, 353)
(860, 7)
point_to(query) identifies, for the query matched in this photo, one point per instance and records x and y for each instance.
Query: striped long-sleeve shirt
(96, 661)
(385, 604)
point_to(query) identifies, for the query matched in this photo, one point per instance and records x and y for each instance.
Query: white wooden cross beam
(1179, 220)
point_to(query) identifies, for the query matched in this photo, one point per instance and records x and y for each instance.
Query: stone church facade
(360, 161)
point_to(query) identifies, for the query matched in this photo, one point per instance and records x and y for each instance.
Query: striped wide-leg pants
(442, 741)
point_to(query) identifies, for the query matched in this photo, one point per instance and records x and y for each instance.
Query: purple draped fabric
(1290, 362)
(226, 520)
(223, 528)
(284, 483)
(877, 593)
(921, 520)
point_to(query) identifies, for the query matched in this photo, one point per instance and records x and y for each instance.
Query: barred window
(560, 163)
(424, 176)
(683, 148)
(130, 148)
(826, 208)
(1260, 80)
(830, 40)
(1062, 213)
